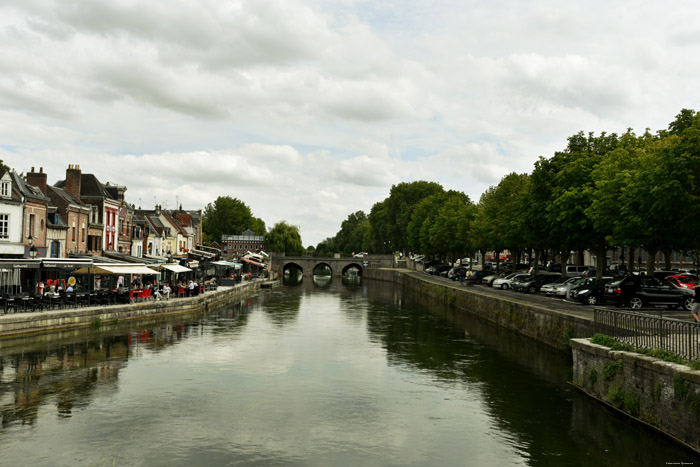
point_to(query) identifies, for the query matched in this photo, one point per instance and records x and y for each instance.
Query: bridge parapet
(279, 262)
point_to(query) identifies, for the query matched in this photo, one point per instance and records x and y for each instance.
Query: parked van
(576, 270)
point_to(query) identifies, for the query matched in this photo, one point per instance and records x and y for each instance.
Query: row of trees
(231, 216)
(599, 192)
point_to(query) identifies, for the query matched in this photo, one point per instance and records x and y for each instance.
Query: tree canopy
(229, 216)
(284, 238)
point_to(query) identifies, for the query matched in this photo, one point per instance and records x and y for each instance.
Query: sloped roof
(26, 190)
(65, 195)
(90, 187)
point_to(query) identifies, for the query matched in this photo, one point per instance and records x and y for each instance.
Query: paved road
(555, 304)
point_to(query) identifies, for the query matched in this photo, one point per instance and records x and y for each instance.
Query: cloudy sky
(310, 110)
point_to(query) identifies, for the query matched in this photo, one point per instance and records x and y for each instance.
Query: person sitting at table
(166, 291)
(190, 289)
(69, 289)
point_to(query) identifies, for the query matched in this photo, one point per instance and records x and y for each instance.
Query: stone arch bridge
(338, 265)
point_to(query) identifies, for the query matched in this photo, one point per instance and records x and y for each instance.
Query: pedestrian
(696, 304)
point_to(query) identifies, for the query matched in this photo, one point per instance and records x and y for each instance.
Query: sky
(308, 111)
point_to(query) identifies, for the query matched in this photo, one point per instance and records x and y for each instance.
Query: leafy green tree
(284, 238)
(353, 234)
(573, 191)
(228, 216)
(449, 232)
(389, 219)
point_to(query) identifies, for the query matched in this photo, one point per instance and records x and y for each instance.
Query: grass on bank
(607, 341)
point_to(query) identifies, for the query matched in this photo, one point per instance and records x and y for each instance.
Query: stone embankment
(664, 395)
(22, 323)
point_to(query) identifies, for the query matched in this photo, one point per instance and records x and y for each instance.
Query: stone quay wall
(663, 395)
(22, 323)
(550, 327)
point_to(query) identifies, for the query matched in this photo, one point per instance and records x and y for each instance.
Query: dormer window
(6, 186)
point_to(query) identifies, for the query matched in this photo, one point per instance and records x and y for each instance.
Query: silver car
(505, 282)
(550, 289)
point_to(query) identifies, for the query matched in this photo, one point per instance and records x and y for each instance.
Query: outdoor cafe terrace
(52, 283)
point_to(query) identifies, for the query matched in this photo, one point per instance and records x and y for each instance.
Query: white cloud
(311, 110)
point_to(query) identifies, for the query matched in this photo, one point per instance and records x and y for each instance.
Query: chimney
(37, 179)
(73, 180)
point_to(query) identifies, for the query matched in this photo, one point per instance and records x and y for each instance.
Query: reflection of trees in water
(282, 308)
(524, 384)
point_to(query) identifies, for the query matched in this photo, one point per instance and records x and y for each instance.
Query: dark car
(478, 276)
(440, 268)
(533, 284)
(639, 291)
(454, 273)
(591, 293)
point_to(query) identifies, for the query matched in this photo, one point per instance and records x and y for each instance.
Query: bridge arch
(352, 266)
(321, 265)
(291, 265)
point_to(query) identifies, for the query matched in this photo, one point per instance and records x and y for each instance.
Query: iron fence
(650, 330)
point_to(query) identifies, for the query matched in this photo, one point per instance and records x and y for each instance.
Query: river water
(308, 375)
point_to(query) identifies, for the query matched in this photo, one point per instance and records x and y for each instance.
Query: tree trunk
(667, 260)
(580, 258)
(651, 260)
(601, 254)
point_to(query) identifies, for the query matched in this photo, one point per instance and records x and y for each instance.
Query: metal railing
(646, 331)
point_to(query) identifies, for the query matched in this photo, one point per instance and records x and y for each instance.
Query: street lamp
(33, 252)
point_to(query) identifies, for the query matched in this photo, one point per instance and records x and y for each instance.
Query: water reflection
(350, 374)
(524, 385)
(67, 374)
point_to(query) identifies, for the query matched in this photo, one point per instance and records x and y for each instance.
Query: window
(4, 226)
(31, 227)
(5, 189)
(83, 235)
(73, 231)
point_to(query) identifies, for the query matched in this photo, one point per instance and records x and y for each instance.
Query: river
(308, 375)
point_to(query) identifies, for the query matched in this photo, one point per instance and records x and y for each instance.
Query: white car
(505, 282)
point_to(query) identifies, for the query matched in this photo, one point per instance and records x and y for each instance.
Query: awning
(227, 264)
(171, 267)
(65, 263)
(20, 263)
(116, 269)
(252, 262)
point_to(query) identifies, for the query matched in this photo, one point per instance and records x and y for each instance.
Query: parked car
(639, 291)
(505, 282)
(576, 270)
(454, 273)
(488, 280)
(533, 284)
(562, 291)
(478, 276)
(591, 293)
(550, 288)
(682, 281)
(436, 270)
(687, 289)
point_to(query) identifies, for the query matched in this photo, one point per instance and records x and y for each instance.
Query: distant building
(234, 245)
